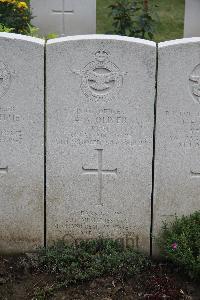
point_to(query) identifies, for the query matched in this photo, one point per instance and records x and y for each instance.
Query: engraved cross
(195, 174)
(63, 12)
(99, 172)
(4, 170)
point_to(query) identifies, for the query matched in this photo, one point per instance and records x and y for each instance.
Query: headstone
(177, 159)
(192, 20)
(64, 17)
(21, 142)
(100, 94)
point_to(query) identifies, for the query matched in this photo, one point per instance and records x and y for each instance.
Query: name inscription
(11, 131)
(187, 134)
(102, 127)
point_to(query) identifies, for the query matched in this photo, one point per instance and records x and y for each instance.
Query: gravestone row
(100, 93)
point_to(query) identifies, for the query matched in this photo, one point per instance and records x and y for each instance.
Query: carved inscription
(5, 79)
(91, 224)
(9, 117)
(102, 128)
(10, 131)
(13, 136)
(190, 136)
(101, 79)
(99, 172)
(102, 116)
(126, 242)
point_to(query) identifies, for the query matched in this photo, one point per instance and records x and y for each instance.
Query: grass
(169, 15)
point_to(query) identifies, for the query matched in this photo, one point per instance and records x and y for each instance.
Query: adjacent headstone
(64, 17)
(21, 142)
(192, 20)
(177, 159)
(100, 95)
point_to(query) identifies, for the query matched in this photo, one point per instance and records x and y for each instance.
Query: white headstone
(177, 159)
(192, 19)
(100, 94)
(64, 17)
(21, 142)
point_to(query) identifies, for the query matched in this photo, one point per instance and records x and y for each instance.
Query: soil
(21, 280)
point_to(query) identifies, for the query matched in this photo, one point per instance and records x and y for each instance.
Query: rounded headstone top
(101, 37)
(20, 37)
(179, 42)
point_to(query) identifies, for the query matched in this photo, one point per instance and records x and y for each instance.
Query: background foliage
(132, 18)
(169, 24)
(16, 15)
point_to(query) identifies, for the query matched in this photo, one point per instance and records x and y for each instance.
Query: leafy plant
(43, 293)
(180, 243)
(15, 14)
(3, 28)
(51, 36)
(132, 18)
(90, 259)
(32, 31)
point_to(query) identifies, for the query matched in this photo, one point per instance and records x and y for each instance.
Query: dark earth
(20, 279)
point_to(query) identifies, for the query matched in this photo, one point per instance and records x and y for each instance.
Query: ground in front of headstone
(19, 280)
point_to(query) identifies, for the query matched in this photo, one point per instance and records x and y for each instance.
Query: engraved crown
(101, 55)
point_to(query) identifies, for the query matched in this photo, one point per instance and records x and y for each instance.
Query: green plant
(43, 293)
(179, 242)
(15, 14)
(3, 28)
(90, 259)
(51, 36)
(132, 18)
(32, 31)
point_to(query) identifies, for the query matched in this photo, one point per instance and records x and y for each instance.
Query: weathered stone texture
(100, 101)
(177, 159)
(21, 142)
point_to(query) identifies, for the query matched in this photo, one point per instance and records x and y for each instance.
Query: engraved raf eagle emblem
(5, 79)
(195, 83)
(101, 79)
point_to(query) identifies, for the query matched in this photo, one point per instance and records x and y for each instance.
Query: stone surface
(177, 159)
(100, 95)
(192, 20)
(21, 142)
(64, 17)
